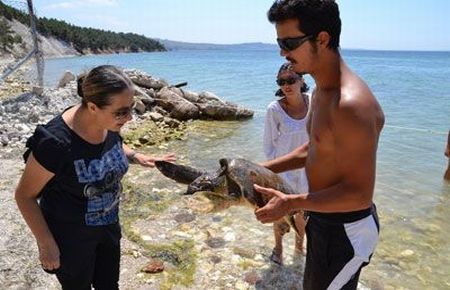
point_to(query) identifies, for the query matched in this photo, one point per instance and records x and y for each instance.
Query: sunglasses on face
(123, 113)
(291, 43)
(288, 81)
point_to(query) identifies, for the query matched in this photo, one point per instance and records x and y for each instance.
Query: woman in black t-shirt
(75, 165)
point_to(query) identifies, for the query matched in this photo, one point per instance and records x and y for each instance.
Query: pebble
(229, 237)
(154, 266)
(184, 218)
(146, 238)
(407, 253)
(215, 243)
(252, 278)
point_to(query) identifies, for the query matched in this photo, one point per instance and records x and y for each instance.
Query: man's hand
(277, 207)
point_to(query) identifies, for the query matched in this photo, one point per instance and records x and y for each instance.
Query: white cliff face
(50, 46)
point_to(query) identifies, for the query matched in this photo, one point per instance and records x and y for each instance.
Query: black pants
(90, 256)
(339, 245)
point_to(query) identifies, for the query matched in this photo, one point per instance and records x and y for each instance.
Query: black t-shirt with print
(86, 186)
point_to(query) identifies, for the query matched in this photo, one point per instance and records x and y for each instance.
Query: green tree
(7, 37)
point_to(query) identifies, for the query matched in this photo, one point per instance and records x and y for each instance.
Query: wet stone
(215, 243)
(252, 278)
(215, 259)
(144, 140)
(246, 253)
(216, 219)
(184, 218)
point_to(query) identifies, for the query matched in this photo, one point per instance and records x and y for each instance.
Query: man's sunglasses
(288, 81)
(291, 43)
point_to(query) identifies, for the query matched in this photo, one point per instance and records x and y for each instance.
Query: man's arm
(293, 160)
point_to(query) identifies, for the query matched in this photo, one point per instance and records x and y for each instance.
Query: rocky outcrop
(183, 104)
(156, 100)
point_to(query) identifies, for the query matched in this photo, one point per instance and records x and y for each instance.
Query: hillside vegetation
(84, 40)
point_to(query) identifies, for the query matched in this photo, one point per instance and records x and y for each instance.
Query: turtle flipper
(179, 173)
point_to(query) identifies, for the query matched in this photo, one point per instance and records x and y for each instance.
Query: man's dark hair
(314, 16)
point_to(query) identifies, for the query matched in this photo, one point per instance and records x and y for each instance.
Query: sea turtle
(234, 183)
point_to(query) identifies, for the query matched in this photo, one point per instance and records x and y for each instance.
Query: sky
(380, 24)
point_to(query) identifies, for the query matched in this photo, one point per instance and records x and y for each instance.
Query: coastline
(414, 238)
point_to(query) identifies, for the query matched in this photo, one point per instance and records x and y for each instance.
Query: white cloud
(82, 3)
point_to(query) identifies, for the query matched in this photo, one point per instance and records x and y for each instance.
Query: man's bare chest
(320, 125)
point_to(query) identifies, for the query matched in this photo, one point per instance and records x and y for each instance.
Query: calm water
(414, 91)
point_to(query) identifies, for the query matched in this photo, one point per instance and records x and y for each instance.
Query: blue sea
(414, 91)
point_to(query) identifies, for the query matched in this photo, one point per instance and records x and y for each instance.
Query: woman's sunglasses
(124, 113)
(291, 43)
(288, 81)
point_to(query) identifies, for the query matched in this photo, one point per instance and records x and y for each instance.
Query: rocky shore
(169, 242)
(157, 101)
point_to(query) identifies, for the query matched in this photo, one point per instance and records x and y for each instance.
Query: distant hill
(178, 45)
(83, 40)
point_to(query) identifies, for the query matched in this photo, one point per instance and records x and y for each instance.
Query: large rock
(155, 116)
(146, 81)
(148, 93)
(67, 77)
(221, 111)
(192, 97)
(139, 107)
(178, 107)
(208, 96)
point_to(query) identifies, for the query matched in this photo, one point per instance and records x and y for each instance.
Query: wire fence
(31, 52)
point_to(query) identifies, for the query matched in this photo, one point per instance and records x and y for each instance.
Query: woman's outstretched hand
(149, 161)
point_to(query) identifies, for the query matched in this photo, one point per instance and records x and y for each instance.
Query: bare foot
(277, 256)
(299, 253)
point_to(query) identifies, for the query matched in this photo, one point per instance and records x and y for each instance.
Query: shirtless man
(344, 127)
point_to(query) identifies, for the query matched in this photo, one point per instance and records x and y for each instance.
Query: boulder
(67, 77)
(139, 107)
(192, 97)
(208, 96)
(179, 108)
(173, 123)
(220, 111)
(146, 81)
(155, 116)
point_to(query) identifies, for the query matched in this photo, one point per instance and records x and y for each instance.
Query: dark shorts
(339, 245)
(89, 256)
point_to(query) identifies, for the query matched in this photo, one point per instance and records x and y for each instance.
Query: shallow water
(413, 89)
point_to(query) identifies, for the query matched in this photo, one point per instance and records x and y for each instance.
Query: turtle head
(219, 183)
(211, 182)
(206, 182)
